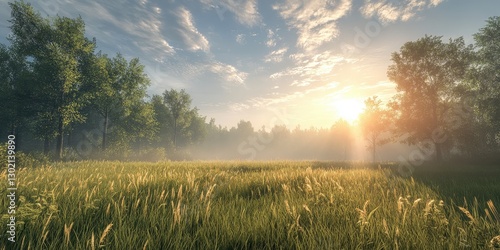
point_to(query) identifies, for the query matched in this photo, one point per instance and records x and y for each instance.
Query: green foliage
(248, 205)
(26, 160)
(178, 123)
(53, 49)
(428, 73)
(485, 79)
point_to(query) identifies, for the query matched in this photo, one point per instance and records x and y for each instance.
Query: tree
(54, 49)
(427, 73)
(374, 123)
(139, 125)
(163, 119)
(178, 104)
(485, 78)
(342, 135)
(116, 87)
(99, 85)
(14, 79)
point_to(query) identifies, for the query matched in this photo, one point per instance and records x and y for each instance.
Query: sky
(301, 63)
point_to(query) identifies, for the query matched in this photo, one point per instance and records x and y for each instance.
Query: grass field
(250, 205)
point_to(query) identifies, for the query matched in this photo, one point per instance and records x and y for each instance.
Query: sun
(349, 109)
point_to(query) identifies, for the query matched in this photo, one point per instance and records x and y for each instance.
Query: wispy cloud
(244, 11)
(230, 74)
(138, 23)
(271, 38)
(310, 68)
(240, 38)
(276, 56)
(390, 11)
(238, 106)
(190, 35)
(274, 99)
(314, 20)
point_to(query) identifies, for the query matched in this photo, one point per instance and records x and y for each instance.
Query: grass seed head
(468, 214)
(104, 233)
(67, 231)
(495, 242)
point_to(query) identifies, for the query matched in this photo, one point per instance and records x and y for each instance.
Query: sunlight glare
(349, 109)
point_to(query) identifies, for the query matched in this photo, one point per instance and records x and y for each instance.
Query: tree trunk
(68, 140)
(104, 131)
(60, 139)
(46, 146)
(439, 152)
(435, 117)
(175, 133)
(373, 150)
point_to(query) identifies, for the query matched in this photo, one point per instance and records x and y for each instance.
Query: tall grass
(242, 205)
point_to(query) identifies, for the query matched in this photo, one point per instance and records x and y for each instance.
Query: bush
(150, 154)
(25, 159)
(179, 155)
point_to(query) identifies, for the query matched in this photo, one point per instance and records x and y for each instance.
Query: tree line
(61, 96)
(55, 86)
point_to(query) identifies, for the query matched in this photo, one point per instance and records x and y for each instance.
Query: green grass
(249, 205)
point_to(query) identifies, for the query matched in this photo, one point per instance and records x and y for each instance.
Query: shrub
(150, 154)
(26, 159)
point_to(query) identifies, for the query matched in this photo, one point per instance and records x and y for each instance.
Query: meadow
(251, 205)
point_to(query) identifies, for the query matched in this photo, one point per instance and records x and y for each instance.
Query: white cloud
(435, 2)
(190, 35)
(240, 38)
(271, 39)
(275, 98)
(310, 68)
(276, 56)
(109, 22)
(228, 72)
(314, 20)
(238, 106)
(391, 11)
(245, 11)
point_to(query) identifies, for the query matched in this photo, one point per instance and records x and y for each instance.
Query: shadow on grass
(461, 182)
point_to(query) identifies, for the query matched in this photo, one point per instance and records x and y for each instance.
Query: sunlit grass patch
(234, 205)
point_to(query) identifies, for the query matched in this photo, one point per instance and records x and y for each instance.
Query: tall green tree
(178, 104)
(138, 127)
(427, 73)
(164, 121)
(99, 85)
(14, 90)
(54, 49)
(486, 78)
(116, 88)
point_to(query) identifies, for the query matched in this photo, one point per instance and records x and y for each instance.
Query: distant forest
(63, 99)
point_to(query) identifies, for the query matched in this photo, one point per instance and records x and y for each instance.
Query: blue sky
(292, 62)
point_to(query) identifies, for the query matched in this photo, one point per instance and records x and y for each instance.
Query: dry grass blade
(92, 242)
(416, 202)
(468, 214)
(44, 230)
(493, 210)
(104, 233)
(386, 228)
(67, 231)
(495, 242)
